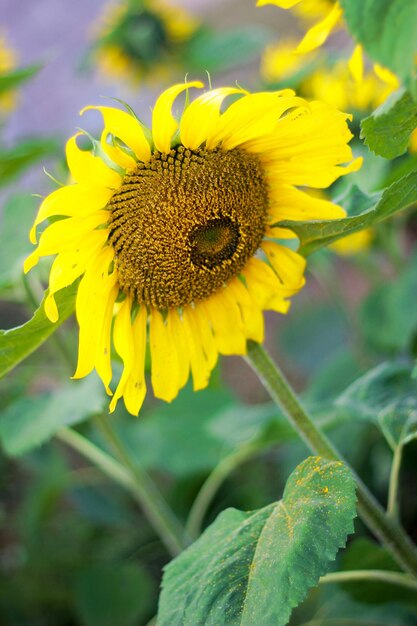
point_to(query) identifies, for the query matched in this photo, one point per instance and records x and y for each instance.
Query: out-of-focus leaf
(30, 421)
(388, 31)
(394, 306)
(15, 78)
(363, 554)
(17, 343)
(253, 568)
(387, 131)
(187, 447)
(15, 222)
(220, 51)
(113, 595)
(13, 161)
(369, 211)
(387, 396)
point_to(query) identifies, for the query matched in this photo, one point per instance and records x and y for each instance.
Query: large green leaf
(253, 568)
(369, 210)
(17, 343)
(15, 78)
(15, 224)
(387, 396)
(388, 31)
(387, 131)
(32, 420)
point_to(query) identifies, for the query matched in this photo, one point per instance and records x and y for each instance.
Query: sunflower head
(175, 230)
(135, 38)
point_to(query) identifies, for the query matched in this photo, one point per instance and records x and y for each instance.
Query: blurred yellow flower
(137, 40)
(173, 230)
(8, 62)
(353, 244)
(280, 61)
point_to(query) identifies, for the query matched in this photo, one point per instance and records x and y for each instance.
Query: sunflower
(137, 37)
(8, 63)
(174, 231)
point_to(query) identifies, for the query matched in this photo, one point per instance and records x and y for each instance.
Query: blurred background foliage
(75, 548)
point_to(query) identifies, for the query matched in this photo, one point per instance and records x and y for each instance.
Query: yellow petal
(283, 4)
(252, 116)
(164, 124)
(290, 203)
(89, 169)
(118, 156)
(307, 147)
(252, 317)
(180, 343)
(287, 264)
(200, 367)
(102, 361)
(226, 320)
(264, 286)
(205, 335)
(95, 289)
(68, 266)
(201, 116)
(71, 200)
(135, 390)
(123, 343)
(356, 64)
(126, 127)
(318, 34)
(164, 360)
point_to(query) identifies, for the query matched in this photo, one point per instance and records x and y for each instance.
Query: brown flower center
(185, 223)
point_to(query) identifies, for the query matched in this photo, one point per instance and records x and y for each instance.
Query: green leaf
(15, 160)
(30, 421)
(369, 210)
(387, 131)
(388, 31)
(386, 395)
(119, 594)
(14, 79)
(15, 223)
(253, 568)
(17, 343)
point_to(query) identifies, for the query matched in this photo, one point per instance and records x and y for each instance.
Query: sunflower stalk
(134, 480)
(388, 530)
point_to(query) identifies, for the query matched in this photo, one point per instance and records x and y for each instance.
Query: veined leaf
(387, 131)
(369, 210)
(253, 568)
(387, 396)
(388, 31)
(17, 343)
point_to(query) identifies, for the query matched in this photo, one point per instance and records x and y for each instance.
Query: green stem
(388, 531)
(212, 484)
(138, 484)
(393, 507)
(371, 575)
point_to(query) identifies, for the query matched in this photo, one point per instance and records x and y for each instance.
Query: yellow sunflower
(8, 63)
(174, 231)
(138, 38)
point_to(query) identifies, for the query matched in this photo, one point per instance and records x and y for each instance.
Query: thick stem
(138, 484)
(371, 575)
(388, 531)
